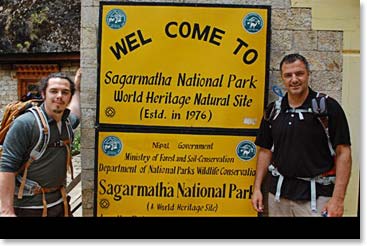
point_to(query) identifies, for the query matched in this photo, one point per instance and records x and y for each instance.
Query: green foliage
(75, 147)
(23, 47)
(40, 17)
(34, 26)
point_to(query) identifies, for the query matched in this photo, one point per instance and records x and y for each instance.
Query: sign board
(168, 175)
(180, 96)
(184, 66)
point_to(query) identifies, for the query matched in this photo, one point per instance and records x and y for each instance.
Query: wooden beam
(40, 57)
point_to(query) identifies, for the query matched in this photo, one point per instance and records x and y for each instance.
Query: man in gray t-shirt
(47, 175)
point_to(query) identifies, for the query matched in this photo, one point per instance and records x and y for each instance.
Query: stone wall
(291, 31)
(9, 86)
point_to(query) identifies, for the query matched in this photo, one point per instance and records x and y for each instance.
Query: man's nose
(294, 77)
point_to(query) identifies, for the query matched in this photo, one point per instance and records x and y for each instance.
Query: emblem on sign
(104, 203)
(116, 18)
(110, 112)
(252, 23)
(246, 150)
(112, 146)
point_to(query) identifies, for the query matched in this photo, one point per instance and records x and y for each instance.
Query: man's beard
(57, 111)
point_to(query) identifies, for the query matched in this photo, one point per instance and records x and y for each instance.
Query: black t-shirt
(300, 146)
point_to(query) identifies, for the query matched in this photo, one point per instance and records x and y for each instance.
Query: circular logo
(116, 18)
(252, 23)
(111, 146)
(246, 150)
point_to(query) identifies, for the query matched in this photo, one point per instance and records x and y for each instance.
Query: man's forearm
(74, 105)
(7, 186)
(343, 164)
(264, 159)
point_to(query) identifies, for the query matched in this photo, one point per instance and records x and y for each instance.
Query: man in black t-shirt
(302, 153)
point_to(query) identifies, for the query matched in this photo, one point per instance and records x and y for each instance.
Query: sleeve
(18, 143)
(264, 137)
(338, 124)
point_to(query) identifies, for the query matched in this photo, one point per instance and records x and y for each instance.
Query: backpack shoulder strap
(69, 163)
(319, 104)
(319, 108)
(44, 130)
(272, 110)
(39, 148)
(69, 129)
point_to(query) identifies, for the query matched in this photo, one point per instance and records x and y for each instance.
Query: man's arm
(343, 162)
(263, 160)
(7, 186)
(74, 105)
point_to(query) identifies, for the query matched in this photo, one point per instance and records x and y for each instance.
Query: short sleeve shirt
(300, 145)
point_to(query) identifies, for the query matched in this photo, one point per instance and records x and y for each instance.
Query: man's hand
(77, 79)
(334, 207)
(257, 201)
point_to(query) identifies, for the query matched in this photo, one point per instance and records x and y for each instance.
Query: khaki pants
(289, 208)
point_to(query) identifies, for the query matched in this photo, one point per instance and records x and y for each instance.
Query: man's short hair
(290, 58)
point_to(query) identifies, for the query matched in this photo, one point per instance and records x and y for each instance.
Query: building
(37, 38)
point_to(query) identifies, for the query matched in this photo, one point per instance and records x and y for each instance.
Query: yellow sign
(183, 66)
(154, 174)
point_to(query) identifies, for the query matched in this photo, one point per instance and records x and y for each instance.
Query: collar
(306, 104)
(65, 115)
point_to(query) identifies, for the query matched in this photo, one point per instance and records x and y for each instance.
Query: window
(29, 77)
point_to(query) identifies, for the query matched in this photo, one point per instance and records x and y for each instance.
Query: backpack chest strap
(299, 111)
(59, 143)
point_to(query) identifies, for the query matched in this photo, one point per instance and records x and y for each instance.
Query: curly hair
(44, 82)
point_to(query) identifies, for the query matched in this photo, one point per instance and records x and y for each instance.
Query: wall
(9, 86)
(292, 31)
(345, 16)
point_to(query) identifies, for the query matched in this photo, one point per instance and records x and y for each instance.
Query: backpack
(17, 108)
(319, 109)
(14, 110)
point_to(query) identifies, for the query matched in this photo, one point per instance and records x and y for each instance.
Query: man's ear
(43, 95)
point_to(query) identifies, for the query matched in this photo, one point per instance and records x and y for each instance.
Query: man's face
(57, 96)
(295, 78)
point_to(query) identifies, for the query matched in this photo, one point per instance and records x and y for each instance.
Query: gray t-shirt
(50, 170)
